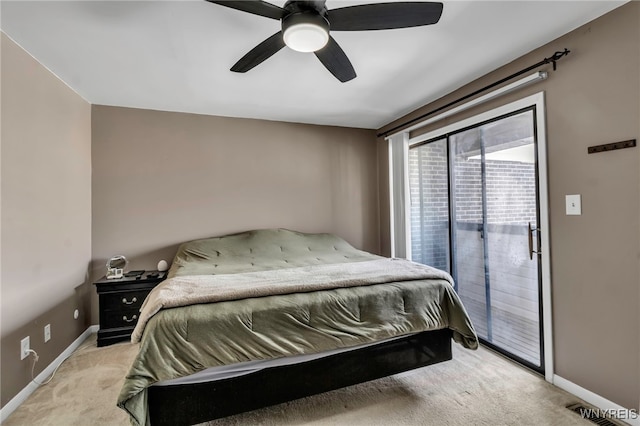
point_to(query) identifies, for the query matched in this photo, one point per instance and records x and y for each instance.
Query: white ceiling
(176, 55)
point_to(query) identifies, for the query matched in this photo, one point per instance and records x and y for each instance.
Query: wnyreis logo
(610, 413)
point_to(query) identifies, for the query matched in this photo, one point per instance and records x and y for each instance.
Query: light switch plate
(574, 205)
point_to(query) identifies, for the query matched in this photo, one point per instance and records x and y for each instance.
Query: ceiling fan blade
(257, 7)
(260, 53)
(384, 16)
(335, 60)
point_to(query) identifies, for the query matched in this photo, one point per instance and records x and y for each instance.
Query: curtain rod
(552, 59)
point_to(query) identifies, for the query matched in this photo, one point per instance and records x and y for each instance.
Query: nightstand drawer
(121, 318)
(123, 300)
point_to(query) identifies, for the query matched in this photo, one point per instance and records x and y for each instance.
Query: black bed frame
(196, 403)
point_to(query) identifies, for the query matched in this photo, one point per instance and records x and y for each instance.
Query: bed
(262, 317)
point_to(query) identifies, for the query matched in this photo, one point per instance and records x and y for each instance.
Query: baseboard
(22, 396)
(595, 399)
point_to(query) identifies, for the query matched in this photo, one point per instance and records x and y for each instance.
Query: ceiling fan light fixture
(305, 31)
(306, 37)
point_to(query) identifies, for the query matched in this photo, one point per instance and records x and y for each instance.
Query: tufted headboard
(262, 250)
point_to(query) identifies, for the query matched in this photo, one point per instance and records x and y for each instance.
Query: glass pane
(511, 205)
(469, 265)
(429, 189)
(495, 199)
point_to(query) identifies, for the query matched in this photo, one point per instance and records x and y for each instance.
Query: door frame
(536, 100)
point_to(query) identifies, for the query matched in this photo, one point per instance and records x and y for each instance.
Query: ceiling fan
(306, 26)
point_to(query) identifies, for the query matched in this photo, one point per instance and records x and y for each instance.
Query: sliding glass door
(474, 212)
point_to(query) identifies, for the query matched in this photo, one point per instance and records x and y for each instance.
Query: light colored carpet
(475, 388)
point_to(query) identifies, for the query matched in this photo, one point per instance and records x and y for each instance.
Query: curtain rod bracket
(556, 56)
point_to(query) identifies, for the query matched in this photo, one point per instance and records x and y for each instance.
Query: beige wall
(161, 178)
(46, 214)
(593, 98)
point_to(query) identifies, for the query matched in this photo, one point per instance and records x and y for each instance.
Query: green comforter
(180, 341)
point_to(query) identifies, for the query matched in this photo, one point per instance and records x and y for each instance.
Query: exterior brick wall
(511, 192)
(428, 184)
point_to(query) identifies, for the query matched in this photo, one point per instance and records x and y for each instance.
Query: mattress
(249, 367)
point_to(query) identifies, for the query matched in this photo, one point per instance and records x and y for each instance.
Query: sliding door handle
(532, 229)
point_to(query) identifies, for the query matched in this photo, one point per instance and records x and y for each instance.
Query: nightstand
(119, 304)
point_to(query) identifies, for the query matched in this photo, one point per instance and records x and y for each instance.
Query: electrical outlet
(24, 347)
(47, 333)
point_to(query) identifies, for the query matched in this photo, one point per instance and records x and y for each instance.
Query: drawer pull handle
(133, 318)
(126, 302)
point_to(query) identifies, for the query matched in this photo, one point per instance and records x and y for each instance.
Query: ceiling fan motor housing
(305, 12)
(294, 6)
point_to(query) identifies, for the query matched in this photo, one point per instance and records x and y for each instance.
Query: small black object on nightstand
(120, 300)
